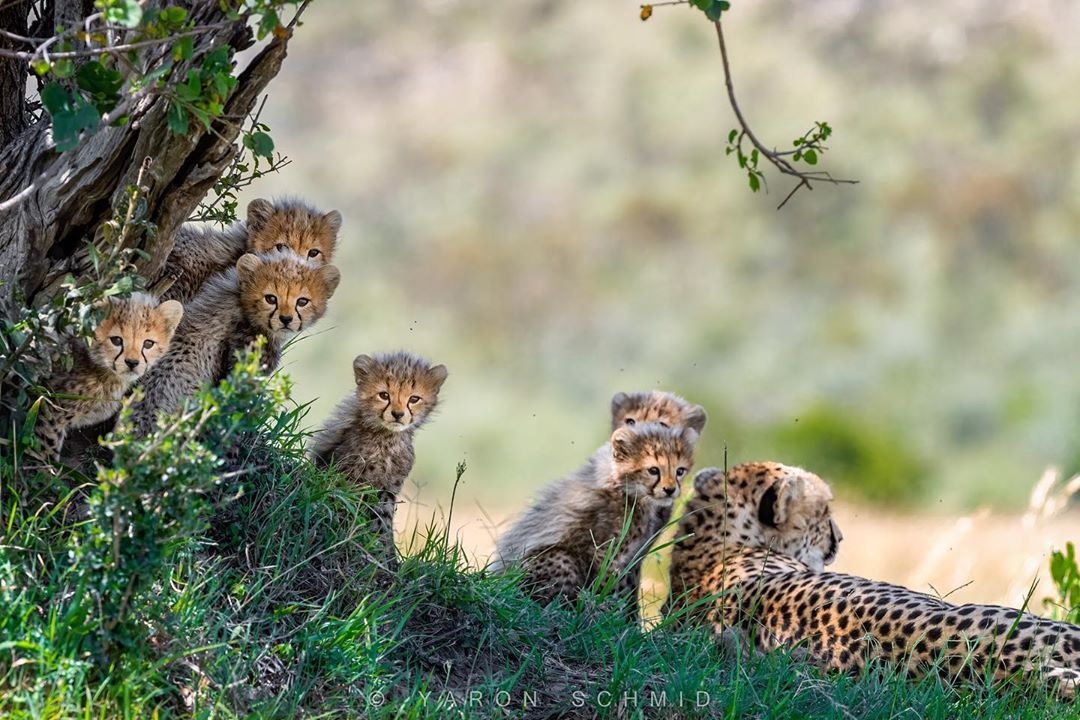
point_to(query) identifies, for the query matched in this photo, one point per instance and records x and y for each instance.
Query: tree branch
(774, 156)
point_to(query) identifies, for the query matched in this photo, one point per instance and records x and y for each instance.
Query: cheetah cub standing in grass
(201, 252)
(276, 296)
(541, 525)
(564, 539)
(134, 334)
(369, 436)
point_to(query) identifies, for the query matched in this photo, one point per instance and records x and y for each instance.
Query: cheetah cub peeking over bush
(200, 252)
(133, 335)
(275, 295)
(599, 519)
(369, 436)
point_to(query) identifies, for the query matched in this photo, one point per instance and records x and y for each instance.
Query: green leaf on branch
(71, 115)
(127, 13)
(755, 181)
(101, 83)
(810, 157)
(178, 119)
(260, 144)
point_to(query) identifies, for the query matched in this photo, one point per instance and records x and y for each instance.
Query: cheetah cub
(200, 252)
(369, 436)
(276, 296)
(563, 538)
(134, 334)
(535, 527)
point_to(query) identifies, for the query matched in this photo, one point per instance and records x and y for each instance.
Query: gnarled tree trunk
(52, 204)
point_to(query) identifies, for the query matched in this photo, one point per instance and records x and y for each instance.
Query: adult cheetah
(750, 561)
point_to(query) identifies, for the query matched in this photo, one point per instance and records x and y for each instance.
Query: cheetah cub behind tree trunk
(200, 252)
(276, 295)
(574, 527)
(369, 436)
(134, 334)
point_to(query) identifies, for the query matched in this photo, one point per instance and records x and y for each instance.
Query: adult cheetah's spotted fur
(751, 563)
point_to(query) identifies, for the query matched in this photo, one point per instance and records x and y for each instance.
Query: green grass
(205, 582)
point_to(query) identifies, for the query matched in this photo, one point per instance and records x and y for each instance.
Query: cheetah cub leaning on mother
(275, 295)
(133, 335)
(576, 526)
(369, 436)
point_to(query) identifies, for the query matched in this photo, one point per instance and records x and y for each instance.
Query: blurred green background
(536, 194)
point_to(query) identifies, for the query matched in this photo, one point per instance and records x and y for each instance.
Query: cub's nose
(132, 364)
(398, 414)
(285, 319)
(669, 491)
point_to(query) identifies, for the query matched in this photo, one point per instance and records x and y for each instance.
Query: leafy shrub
(1066, 576)
(852, 454)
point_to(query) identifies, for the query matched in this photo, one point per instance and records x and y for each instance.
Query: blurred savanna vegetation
(536, 194)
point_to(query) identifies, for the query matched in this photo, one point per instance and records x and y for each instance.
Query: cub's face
(764, 505)
(292, 226)
(656, 407)
(134, 334)
(397, 391)
(651, 460)
(283, 294)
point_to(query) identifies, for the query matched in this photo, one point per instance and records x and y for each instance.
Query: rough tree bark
(52, 204)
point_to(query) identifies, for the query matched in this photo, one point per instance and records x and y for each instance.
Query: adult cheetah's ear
(363, 366)
(622, 443)
(259, 212)
(246, 266)
(171, 311)
(694, 417)
(706, 479)
(331, 277)
(437, 375)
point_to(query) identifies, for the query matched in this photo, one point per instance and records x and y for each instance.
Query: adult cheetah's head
(768, 505)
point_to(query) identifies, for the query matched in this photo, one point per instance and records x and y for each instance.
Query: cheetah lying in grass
(751, 563)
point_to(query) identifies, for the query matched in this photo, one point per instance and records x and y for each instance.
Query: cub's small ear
(438, 376)
(246, 266)
(622, 442)
(694, 416)
(171, 311)
(333, 221)
(362, 366)
(259, 212)
(331, 276)
(619, 402)
(706, 479)
(690, 435)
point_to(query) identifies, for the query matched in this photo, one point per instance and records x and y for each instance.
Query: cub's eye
(116, 340)
(147, 344)
(384, 395)
(270, 299)
(680, 472)
(301, 302)
(313, 252)
(415, 399)
(654, 471)
(279, 246)
(631, 421)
